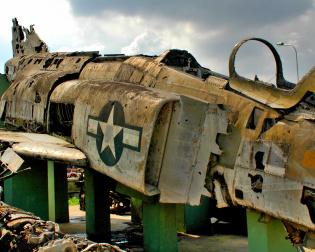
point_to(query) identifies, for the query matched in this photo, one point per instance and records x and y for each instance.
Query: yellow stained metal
(272, 96)
(309, 159)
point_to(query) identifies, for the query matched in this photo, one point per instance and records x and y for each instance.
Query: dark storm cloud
(201, 12)
(229, 20)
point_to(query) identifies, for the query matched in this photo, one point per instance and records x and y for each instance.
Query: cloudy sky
(208, 29)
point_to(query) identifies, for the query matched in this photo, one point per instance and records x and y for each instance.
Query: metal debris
(11, 164)
(22, 232)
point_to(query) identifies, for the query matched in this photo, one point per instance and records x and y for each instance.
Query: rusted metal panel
(216, 81)
(157, 145)
(29, 93)
(184, 137)
(67, 92)
(271, 174)
(279, 197)
(146, 65)
(124, 72)
(100, 71)
(264, 155)
(176, 81)
(119, 145)
(190, 142)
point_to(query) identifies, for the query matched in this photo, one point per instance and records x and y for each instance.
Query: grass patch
(73, 201)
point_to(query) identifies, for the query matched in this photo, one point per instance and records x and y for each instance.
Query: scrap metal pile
(22, 231)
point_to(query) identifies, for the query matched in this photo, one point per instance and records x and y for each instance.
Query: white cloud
(148, 42)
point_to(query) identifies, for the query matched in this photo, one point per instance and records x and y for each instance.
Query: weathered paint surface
(166, 125)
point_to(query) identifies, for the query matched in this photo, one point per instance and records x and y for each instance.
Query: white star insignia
(110, 131)
(106, 132)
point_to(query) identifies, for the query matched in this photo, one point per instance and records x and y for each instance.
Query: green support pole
(97, 206)
(61, 193)
(4, 83)
(51, 191)
(266, 237)
(58, 210)
(159, 227)
(136, 210)
(28, 190)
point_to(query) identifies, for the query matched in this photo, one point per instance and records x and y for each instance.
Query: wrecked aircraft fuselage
(167, 126)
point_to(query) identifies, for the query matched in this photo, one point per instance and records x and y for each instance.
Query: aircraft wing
(43, 146)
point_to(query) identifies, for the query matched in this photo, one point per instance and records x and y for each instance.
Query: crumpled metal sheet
(11, 160)
(25, 232)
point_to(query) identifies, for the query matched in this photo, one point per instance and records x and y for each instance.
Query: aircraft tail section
(26, 41)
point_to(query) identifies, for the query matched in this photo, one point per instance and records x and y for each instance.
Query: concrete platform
(228, 243)
(77, 222)
(124, 232)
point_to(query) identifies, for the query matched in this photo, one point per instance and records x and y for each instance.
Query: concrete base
(266, 237)
(29, 190)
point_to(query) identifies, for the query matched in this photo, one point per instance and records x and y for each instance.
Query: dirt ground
(121, 225)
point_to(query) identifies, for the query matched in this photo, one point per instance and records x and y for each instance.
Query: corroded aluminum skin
(34, 79)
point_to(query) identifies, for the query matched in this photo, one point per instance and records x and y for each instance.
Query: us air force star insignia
(112, 134)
